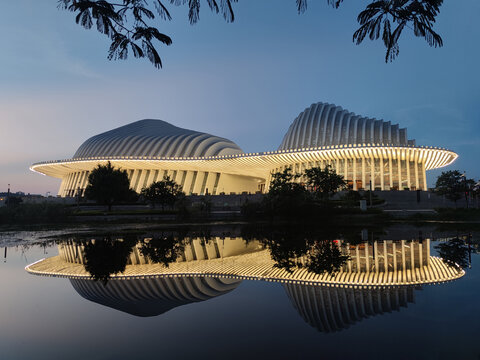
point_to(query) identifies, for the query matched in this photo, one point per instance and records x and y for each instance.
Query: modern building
(367, 152)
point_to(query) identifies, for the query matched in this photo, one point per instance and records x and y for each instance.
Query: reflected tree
(162, 249)
(310, 247)
(325, 256)
(454, 252)
(107, 256)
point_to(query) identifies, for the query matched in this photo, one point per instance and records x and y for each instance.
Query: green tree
(324, 182)
(165, 192)
(285, 196)
(129, 23)
(107, 185)
(284, 181)
(453, 184)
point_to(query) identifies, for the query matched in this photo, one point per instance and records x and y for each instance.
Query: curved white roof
(155, 138)
(331, 309)
(152, 297)
(324, 124)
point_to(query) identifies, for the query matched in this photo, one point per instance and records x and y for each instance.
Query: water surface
(57, 318)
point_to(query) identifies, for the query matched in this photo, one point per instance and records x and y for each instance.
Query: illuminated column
(394, 249)
(85, 180)
(199, 183)
(140, 181)
(420, 254)
(375, 253)
(354, 171)
(407, 162)
(412, 256)
(417, 183)
(382, 172)
(170, 174)
(71, 182)
(349, 261)
(149, 179)
(390, 169)
(67, 183)
(156, 175)
(427, 247)
(188, 182)
(364, 185)
(78, 181)
(399, 162)
(210, 184)
(367, 260)
(424, 177)
(345, 168)
(372, 170)
(357, 255)
(385, 257)
(62, 186)
(134, 178)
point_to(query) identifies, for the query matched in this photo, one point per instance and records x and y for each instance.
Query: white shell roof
(324, 124)
(155, 138)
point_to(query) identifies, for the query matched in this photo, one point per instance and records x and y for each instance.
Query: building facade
(368, 153)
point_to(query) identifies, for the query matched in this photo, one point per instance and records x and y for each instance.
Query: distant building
(364, 150)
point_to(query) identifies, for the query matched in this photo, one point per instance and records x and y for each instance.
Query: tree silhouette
(129, 23)
(165, 192)
(108, 185)
(285, 196)
(324, 182)
(453, 184)
(454, 252)
(325, 256)
(162, 249)
(302, 246)
(107, 256)
(390, 17)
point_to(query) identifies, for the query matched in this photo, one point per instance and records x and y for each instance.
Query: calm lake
(240, 292)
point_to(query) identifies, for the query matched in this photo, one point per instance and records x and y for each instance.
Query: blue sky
(245, 81)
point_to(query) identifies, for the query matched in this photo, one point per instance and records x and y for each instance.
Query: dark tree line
(131, 26)
(454, 185)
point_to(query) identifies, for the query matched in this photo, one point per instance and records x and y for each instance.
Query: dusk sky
(245, 81)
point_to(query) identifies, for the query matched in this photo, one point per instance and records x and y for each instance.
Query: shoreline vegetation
(317, 196)
(335, 212)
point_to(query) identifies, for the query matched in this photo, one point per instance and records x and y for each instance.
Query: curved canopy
(155, 138)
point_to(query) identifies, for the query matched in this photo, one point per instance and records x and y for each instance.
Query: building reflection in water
(372, 278)
(153, 296)
(330, 309)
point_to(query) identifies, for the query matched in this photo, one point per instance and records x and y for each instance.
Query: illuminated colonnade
(194, 249)
(392, 264)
